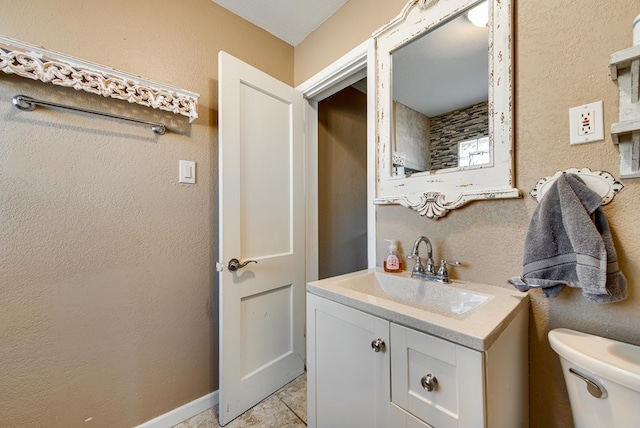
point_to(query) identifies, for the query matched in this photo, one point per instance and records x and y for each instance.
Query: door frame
(350, 68)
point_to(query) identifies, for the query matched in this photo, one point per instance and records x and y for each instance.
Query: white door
(262, 219)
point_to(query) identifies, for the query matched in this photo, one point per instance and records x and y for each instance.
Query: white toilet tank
(597, 367)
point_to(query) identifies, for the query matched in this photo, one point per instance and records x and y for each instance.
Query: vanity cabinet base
(407, 378)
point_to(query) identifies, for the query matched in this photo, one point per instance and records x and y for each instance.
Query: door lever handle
(234, 264)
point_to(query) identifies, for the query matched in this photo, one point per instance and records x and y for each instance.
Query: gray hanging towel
(569, 243)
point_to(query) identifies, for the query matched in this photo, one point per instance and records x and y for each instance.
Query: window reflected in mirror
(474, 152)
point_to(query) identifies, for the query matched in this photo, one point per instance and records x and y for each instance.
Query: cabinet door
(454, 376)
(400, 418)
(348, 382)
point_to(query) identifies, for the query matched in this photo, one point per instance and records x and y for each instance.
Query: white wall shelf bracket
(625, 69)
(601, 182)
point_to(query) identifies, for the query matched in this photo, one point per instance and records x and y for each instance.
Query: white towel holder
(601, 182)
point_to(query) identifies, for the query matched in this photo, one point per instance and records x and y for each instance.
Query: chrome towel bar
(26, 103)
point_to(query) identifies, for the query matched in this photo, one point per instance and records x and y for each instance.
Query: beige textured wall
(561, 60)
(107, 284)
(346, 29)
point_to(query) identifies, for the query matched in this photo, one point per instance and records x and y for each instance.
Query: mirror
(444, 106)
(437, 124)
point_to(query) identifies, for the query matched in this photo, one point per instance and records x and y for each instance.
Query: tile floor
(286, 408)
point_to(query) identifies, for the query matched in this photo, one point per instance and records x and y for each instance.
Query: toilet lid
(610, 359)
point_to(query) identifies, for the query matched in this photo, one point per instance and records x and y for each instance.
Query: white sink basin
(468, 313)
(429, 296)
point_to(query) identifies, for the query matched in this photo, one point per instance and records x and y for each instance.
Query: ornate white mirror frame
(36, 63)
(434, 193)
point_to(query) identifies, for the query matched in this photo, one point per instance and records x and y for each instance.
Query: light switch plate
(187, 172)
(586, 123)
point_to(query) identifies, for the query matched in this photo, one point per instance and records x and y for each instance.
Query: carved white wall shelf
(37, 63)
(601, 182)
(625, 69)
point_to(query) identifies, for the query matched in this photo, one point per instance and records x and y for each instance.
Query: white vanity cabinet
(437, 381)
(348, 382)
(415, 380)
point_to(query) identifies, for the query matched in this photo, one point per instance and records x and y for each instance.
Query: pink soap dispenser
(392, 262)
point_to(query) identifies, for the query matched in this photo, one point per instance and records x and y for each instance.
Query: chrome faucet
(428, 270)
(419, 268)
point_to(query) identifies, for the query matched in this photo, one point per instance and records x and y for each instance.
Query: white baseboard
(182, 413)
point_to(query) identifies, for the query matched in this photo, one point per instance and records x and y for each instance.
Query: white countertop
(477, 329)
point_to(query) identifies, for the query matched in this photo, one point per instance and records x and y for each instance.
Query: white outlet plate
(586, 123)
(187, 172)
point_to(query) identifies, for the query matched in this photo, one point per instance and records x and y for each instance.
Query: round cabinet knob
(429, 382)
(377, 345)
